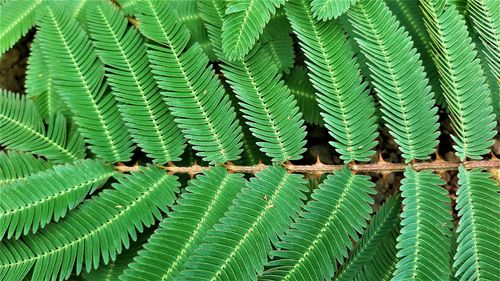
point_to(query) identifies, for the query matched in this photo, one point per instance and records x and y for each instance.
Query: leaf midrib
(139, 86)
(41, 136)
(87, 87)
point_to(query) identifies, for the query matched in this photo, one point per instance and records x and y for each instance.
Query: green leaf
(124, 54)
(39, 85)
(235, 249)
(98, 230)
(112, 270)
(346, 108)
(25, 206)
(325, 229)
(478, 233)
(398, 77)
(278, 42)
(21, 128)
(79, 78)
(371, 245)
(18, 16)
(16, 166)
(299, 85)
(198, 209)
(265, 102)
(464, 86)
(268, 106)
(410, 16)
(483, 14)
(187, 11)
(243, 23)
(383, 265)
(424, 242)
(330, 9)
(191, 89)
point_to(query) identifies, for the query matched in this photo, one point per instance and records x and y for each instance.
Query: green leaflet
(15, 166)
(22, 128)
(410, 16)
(346, 108)
(486, 23)
(78, 77)
(478, 234)
(383, 265)
(25, 206)
(372, 243)
(124, 54)
(112, 270)
(198, 209)
(398, 77)
(187, 11)
(279, 43)
(194, 94)
(424, 243)
(464, 86)
(99, 229)
(266, 103)
(244, 21)
(18, 16)
(300, 86)
(281, 50)
(320, 237)
(329, 9)
(39, 85)
(259, 214)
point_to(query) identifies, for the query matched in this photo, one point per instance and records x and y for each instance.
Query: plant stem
(320, 168)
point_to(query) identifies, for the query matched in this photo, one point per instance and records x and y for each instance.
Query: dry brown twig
(381, 167)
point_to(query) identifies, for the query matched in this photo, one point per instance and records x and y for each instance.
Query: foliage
(119, 91)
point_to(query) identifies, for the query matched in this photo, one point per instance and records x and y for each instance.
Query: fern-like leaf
(382, 224)
(410, 16)
(78, 76)
(347, 109)
(21, 128)
(464, 85)
(266, 103)
(299, 85)
(191, 89)
(124, 54)
(98, 229)
(383, 265)
(338, 210)
(281, 50)
(478, 233)
(278, 42)
(424, 242)
(39, 86)
(261, 212)
(188, 13)
(330, 9)
(15, 166)
(25, 206)
(17, 17)
(398, 77)
(114, 269)
(198, 209)
(243, 23)
(486, 23)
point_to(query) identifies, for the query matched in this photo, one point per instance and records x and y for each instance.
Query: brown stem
(320, 168)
